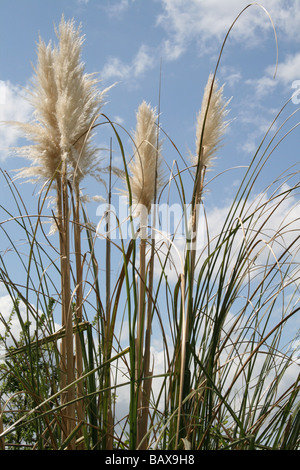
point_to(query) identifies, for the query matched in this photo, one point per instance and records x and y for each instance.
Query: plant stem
(141, 323)
(67, 342)
(79, 302)
(107, 412)
(183, 357)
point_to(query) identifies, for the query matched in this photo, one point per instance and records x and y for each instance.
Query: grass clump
(78, 372)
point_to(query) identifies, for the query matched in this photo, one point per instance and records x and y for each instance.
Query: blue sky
(128, 40)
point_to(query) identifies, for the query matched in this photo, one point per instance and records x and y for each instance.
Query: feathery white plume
(66, 103)
(145, 167)
(211, 123)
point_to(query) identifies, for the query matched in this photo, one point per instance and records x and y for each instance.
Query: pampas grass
(218, 315)
(66, 104)
(210, 128)
(211, 123)
(145, 167)
(145, 180)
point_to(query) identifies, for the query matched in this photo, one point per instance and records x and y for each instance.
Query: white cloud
(172, 51)
(233, 78)
(205, 21)
(288, 72)
(13, 107)
(118, 7)
(263, 85)
(209, 20)
(116, 69)
(143, 61)
(119, 120)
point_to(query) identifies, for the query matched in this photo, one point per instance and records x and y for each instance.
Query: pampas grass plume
(145, 167)
(211, 123)
(66, 103)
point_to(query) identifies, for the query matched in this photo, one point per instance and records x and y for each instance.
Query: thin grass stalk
(147, 374)
(183, 358)
(131, 314)
(195, 217)
(75, 432)
(144, 182)
(172, 395)
(67, 321)
(210, 128)
(108, 245)
(79, 303)
(147, 384)
(92, 407)
(107, 340)
(63, 381)
(140, 329)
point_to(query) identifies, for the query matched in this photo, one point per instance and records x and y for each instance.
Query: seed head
(66, 102)
(211, 123)
(145, 166)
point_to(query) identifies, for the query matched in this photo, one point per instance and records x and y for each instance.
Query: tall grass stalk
(66, 103)
(67, 314)
(145, 180)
